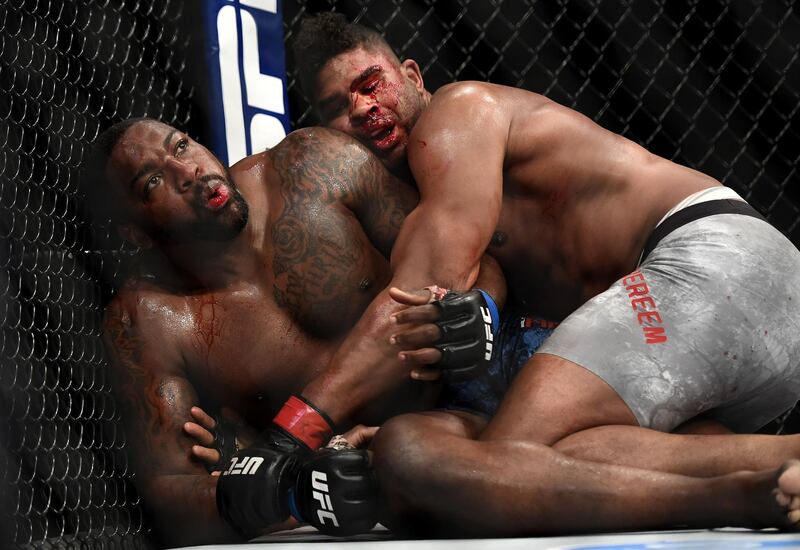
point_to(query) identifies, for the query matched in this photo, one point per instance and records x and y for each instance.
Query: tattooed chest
(326, 271)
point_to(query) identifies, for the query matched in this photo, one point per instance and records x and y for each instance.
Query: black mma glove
(224, 442)
(468, 322)
(253, 492)
(336, 492)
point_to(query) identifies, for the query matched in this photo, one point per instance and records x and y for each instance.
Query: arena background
(711, 84)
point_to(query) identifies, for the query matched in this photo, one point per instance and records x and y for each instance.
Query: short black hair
(100, 199)
(324, 36)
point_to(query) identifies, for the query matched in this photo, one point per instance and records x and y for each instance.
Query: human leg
(688, 454)
(552, 398)
(451, 485)
(726, 352)
(558, 403)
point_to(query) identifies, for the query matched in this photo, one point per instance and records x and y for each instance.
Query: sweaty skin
(565, 206)
(248, 281)
(246, 321)
(574, 201)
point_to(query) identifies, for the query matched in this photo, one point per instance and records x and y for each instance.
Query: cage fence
(711, 84)
(67, 70)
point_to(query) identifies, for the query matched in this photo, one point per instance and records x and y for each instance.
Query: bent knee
(398, 443)
(409, 440)
(406, 446)
(407, 453)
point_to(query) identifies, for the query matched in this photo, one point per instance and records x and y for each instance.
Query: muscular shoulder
(467, 91)
(333, 156)
(481, 102)
(146, 303)
(329, 166)
(145, 320)
(475, 91)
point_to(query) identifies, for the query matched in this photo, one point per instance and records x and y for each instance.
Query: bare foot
(788, 492)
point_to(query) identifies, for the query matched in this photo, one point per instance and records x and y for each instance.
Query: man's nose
(360, 107)
(186, 173)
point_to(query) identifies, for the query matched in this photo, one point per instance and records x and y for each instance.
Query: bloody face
(174, 189)
(374, 98)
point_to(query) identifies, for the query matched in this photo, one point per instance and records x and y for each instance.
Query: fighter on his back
(248, 279)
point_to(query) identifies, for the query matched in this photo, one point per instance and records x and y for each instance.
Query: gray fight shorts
(709, 323)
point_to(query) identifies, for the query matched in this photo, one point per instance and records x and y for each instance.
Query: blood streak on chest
(208, 324)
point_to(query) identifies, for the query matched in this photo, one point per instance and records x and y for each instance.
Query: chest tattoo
(317, 252)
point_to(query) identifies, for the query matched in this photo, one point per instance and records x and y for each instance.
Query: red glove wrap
(304, 422)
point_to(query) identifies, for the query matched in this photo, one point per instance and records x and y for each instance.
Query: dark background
(710, 84)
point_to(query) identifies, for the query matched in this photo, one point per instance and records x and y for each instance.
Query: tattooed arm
(356, 178)
(154, 397)
(337, 196)
(333, 228)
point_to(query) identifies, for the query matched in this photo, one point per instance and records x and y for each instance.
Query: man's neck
(214, 265)
(207, 265)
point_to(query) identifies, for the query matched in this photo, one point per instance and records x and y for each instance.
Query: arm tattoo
(338, 199)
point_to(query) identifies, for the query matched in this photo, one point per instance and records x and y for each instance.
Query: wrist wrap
(304, 422)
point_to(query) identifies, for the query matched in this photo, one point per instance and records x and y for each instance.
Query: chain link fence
(711, 84)
(67, 70)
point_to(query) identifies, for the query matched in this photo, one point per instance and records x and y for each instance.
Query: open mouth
(385, 137)
(216, 195)
(381, 133)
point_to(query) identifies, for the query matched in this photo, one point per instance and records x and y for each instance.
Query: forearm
(184, 510)
(351, 381)
(345, 387)
(434, 248)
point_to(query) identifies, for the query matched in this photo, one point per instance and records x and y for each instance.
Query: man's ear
(413, 72)
(135, 236)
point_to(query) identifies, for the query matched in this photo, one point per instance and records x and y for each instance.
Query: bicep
(154, 398)
(459, 173)
(380, 200)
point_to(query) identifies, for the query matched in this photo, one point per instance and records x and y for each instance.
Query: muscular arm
(458, 168)
(333, 169)
(340, 212)
(459, 174)
(154, 397)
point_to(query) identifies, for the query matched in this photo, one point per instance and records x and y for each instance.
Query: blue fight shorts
(519, 338)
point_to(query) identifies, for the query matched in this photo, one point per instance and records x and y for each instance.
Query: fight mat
(721, 539)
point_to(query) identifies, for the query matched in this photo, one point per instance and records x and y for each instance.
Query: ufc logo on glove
(319, 482)
(247, 466)
(487, 325)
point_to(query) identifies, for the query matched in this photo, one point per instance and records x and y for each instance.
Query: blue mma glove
(468, 322)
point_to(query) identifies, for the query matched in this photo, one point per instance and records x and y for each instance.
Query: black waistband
(695, 212)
